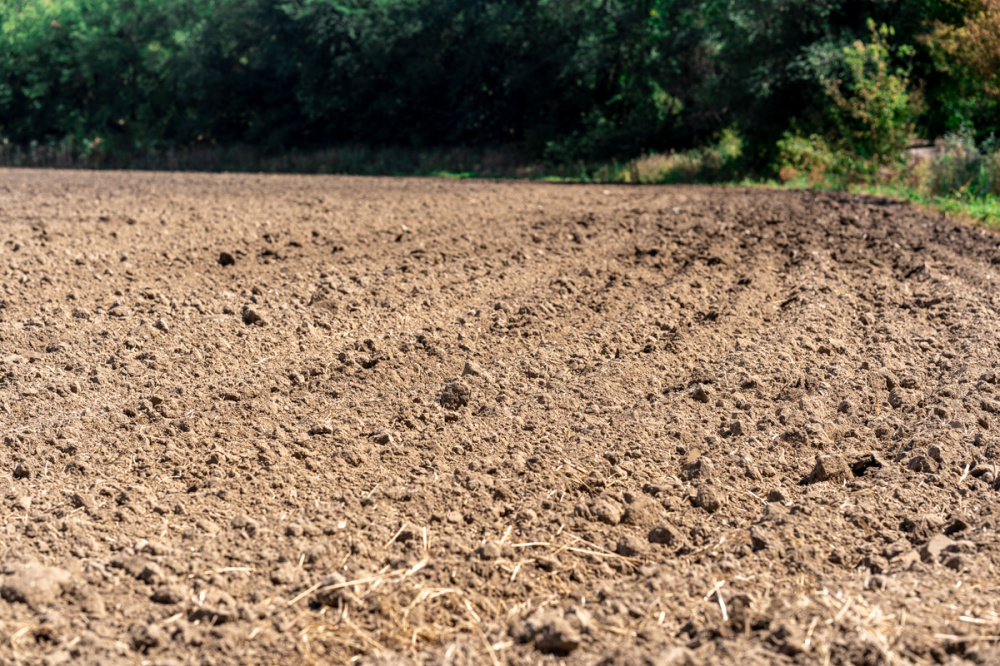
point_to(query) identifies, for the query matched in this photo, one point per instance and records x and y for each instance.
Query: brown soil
(479, 422)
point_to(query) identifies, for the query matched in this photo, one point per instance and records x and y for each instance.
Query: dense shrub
(809, 157)
(873, 110)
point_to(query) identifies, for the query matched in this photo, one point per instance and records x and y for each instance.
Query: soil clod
(830, 467)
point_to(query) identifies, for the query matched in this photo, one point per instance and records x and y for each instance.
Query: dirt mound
(263, 419)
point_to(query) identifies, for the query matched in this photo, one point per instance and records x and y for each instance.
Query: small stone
(526, 516)
(667, 535)
(294, 530)
(168, 594)
(321, 428)
(630, 545)
(762, 539)
(473, 369)
(644, 511)
(58, 658)
(252, 317)
(454, 517)
(207, 526)
(708, 499)
(489, 551)
(226, 259)
(606, 512)
(777, 495)
(245, 523)
(702, 468)
(895, 399)
(701, 393)
(922, 464)
(830, 468)
(557, 636)
(937, 544)
(152, 574)
(548, 562)
(285, 574)
(145, 637)
(455, 395)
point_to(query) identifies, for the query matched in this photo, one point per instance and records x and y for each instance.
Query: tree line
(559, 80)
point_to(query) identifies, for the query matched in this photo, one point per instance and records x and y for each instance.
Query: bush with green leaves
(873, 110)
(808, 157)
(870, 119)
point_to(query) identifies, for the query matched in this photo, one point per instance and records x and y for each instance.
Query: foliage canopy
(562, 80)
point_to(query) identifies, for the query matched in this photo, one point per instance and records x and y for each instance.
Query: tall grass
(714, 163)
(963, 169)
(718, 162)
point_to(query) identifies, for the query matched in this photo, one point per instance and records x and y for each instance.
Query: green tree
(873, 109)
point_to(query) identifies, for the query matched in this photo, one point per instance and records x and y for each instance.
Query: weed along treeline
(808, 89)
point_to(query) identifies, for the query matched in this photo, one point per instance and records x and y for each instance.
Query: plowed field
(274, 419)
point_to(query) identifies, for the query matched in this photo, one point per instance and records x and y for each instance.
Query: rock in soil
(830, 468)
